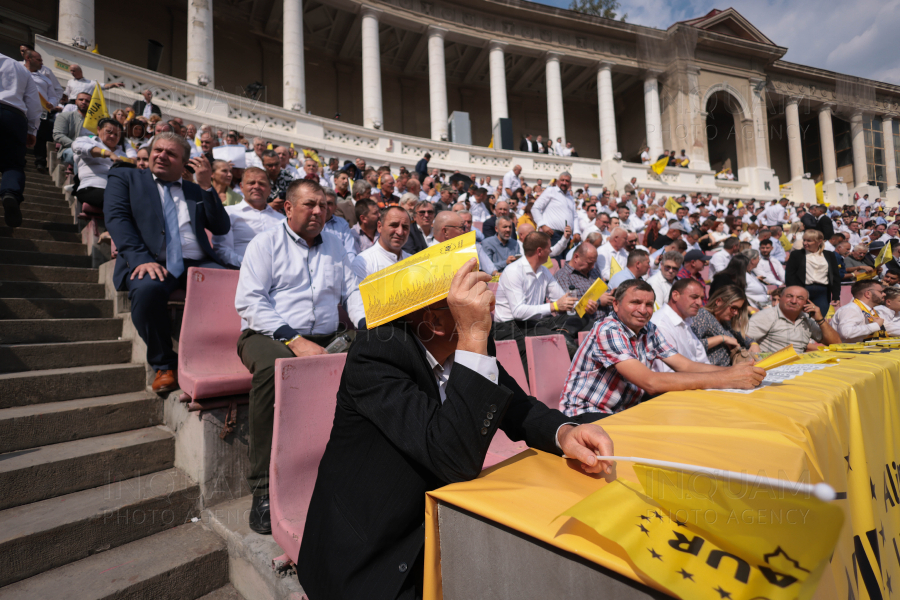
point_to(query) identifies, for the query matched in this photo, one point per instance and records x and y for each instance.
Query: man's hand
(814, 311)
(30, 140)
(545, 229)
(471, 302)
(607, 298)
(591, 307)
(154, 270)
(878, 320)
(741, 377)
(567, 232)
(577, 238)
(566, 302)
(304, 347)
(202, 171)
(584, 443)
(510, 259)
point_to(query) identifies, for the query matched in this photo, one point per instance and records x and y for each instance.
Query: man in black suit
(159, 222)
(419, 401)
(527, 144)
(140, 106)
(501, 211)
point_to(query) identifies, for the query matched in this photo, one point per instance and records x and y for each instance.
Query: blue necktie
(174, 258)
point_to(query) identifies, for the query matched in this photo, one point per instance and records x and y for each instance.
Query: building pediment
(729, 22)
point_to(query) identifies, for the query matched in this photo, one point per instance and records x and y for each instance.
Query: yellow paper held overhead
(597, 289)
(96, 110)
(785, 356)
(660, 165)
(415, 282)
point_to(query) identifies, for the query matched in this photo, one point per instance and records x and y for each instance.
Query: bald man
(613, 249)
(448, 225)
(501, 211)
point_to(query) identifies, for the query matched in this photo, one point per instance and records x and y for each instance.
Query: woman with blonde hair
(721, 327)
(795, 237)
(815, 269)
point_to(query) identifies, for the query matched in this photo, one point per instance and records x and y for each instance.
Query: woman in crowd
(750, 234)
(651, 232)
(95, 156)
(221, 182)
(142, 160)
(757, 292)
(734, 274)
(717, 235)
(721, 326)
(526, 214)
(795, 237)
(815, 269)
(134, 134)
(121, 116)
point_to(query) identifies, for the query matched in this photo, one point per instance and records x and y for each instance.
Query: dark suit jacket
(135, 220)
(139, 106)
(346, 209)
(826, 226)
(391, 442)
(416, 240)
(809, 221)
(489, 228)
(795, 272)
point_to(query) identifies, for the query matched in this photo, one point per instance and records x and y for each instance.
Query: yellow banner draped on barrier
(838, 425)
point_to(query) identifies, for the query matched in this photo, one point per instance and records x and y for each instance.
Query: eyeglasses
(666, 268)
(424, 212)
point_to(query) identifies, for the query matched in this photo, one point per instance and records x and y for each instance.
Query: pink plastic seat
(477, 225)
(554, 267)
(581, 336)
(502, 448)
(305, 398)
(508, 356)
(493, 285)
(208, 362)
(846, 296)
(548, 366)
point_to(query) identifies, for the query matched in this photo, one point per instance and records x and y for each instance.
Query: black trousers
(92, 196)
(259, 352)
(13, 131)
(44, 135)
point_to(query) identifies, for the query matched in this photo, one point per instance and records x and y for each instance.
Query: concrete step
(41, 289)
(47, 206)
(182, 563)
(49, 247)
(21, 257)
(36, 474)
(39, 273)
(54, 308)
(36, 331)
(41, 183)
(39, 234)
(32, 223)
(18, 358)
(41, 199)
(24, 427)
(29, 213)
(227, 592)
(55, 385)
(45, 535)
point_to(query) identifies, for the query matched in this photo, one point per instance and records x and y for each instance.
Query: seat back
(508, 356)
(305, 398)
(582, 335)
(548, 366)
(208, 362)
(477, 225)
(846, 296)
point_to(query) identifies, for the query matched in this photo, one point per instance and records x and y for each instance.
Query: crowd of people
(697, 289)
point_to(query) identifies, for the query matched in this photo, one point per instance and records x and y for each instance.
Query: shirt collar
(671, 315)
(159, 181)
(299, 240)
(626, 328)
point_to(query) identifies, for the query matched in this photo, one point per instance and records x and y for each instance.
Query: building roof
(729, 22)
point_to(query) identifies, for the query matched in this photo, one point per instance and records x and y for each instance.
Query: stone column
(826, 134)
(373, 114)
(293, 63)
(499, 108)
(857, 137)
(890, 160)
(76, 23)
(556, 122)
(200, 67)
(652, 115)
(609, 145)
(437, 82)
(795, 146)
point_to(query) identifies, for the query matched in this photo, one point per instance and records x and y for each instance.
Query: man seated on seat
(157, 222)
(857, 321)
(611, 370)
(501, 211)
(292, 279)
(637, 265)
(613, 249)
(580, 273)
(793, 321)
(501, 248)
(249, 217)
(337, 225)
(448, 225)
(674, 322)
(525, 286)
(420, 400)
(365, 232)
(393, 229)
(890, 311)
(662, 281)
(769, 270)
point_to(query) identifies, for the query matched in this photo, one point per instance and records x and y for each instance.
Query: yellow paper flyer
(784, 356)
(594, 292)
(415, 282)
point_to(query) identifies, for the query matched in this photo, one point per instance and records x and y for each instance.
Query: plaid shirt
(594, 384)
(567, 276)
(281, 184)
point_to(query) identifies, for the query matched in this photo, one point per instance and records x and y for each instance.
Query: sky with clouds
(854, 38)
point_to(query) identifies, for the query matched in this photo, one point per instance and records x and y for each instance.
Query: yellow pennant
(96, 110)
(660, 165)
(884, 256)
(491, 145)
(614, 267)
(740, 204)
(820, 193)
(597, 289)
(672, 205)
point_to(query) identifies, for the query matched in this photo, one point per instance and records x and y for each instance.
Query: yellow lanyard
(870, 318)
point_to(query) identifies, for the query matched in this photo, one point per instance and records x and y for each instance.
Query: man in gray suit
(69, 125)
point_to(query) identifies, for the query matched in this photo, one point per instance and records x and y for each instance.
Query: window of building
(874, 136)
(812, 148)
(843, 146)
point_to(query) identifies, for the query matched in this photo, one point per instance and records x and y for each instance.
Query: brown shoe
(165, 382)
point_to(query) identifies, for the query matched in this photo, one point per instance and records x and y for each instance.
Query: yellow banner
(820, 193)
(96, 110)
(415, 282)
(884, 256)
(614, 267)
(597, 289)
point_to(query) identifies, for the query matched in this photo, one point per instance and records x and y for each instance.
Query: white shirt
(93, 170)
(718, 262)
(522, 293)
(605, 254)
(677, 332)
(851, 323)
(18, 90)
(47, 86)
(339, 227)
(511, 181)
(373, 260)
(757, 292)
(479, 211)
(645, 158)
(891, 320)
(771, 270)
(79, 86)
(148, 110)
(661, 288)
(635, 224)
(286, 287)
(486, 366)
(190, 248)
(253, 160)
(772, 215)
(246, 223)
(556, 210)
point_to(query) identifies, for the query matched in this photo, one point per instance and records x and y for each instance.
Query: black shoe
(259, 515)
(12, 214)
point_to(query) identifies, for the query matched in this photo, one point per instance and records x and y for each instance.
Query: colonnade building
(383, 79)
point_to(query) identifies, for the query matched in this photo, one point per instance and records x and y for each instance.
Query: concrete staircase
(91, 504)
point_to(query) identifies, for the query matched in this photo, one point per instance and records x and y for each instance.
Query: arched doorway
(724, 135)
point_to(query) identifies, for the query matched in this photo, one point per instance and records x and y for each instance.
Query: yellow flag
(820, 193)
(703, 537)
(491, 145)
(597, 289)
(96, 49)
(307, 153)
(672, 205)
(269, 146)
(884, 256)
(614, 267)
(740, 204)
(660, 165)
(96, 110)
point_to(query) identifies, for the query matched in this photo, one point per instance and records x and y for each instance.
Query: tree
(600, 8)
